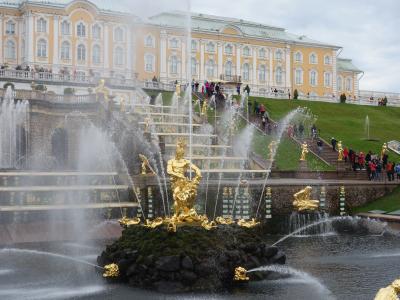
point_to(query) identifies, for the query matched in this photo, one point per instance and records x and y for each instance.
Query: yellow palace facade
(86, 41)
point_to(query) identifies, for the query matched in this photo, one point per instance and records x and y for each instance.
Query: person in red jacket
(346, 154)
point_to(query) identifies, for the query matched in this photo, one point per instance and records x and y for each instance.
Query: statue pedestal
(303, 165)
(341, 165)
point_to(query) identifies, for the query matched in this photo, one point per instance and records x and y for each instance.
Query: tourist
(361, 160)
(263, 123)
(247, 90)
(385, 158)
(373, 167)
(301, 130)
(255, 104)
(397, 170)
(238, 89)
(314, 132)
(333, 143)
(345, 154)
(295, 131)
(378, 165)
(319, 145)
(262, 109)
(390, 171)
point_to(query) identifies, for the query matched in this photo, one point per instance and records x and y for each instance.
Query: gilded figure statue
(154, 223)
(248, 224)
(384, 150)
(304, 151)
(224, 221)
(111, 270)
(126, 222)
(340, 151)
(302, 200)
(146, 167)
(272, 150)
(392, 292)
(184, 190)
(102, 90)
(240, 274)
(204, 108)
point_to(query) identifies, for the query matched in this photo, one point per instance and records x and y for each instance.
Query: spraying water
(366, 128)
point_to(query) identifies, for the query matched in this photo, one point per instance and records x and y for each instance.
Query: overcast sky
(368, 30)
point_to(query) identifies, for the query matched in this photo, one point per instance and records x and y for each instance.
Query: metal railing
(50, 97)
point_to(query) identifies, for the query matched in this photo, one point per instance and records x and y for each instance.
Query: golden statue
(204, 108)
(208, 225)
(302, 200)
(155, 223)
(126, 222)
(248, 224)
(392, 292)
(146, 165)
(224, 221)
(304, 151)
(384, 150)
(111, 270)
(178, 89)
(272, 149)
(102, 90)
(184, 190)
(240, 274)
(340, 151)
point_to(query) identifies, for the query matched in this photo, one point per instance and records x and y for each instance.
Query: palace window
(65, 46)
(173, 43)
(194, 45)
(327, 79)
(278, 54)
(349, 84)
(313, 58)
(174, 65)
(96, 32)
(299, 76)
(298, 57)
(41, 25)
(10, 28)
(261, 73)
(327, 60)
(313, 77)
(65, 28)
(96, 55)
(246, 51)
(278, 75)
(210, 47)
(229, 49)
(339, 83)
(42, 48)
(210, 69)
(262, 53)
(81, 52)
(81, 30)
(193, 66)
(149, 41)
(118, 34)
(149, 63)
(246, 72)
(119, 56)
(10, 50)
(228, 69)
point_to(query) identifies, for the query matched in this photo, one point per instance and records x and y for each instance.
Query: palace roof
(346, 64)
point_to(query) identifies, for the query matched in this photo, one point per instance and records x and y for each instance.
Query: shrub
(343, 98)
(295, 94)
(69, 91)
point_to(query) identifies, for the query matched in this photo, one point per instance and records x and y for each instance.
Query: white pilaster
(29, 42)
(271, 69)
(163, 56)
(220, 60)
(334, 73)
(288, 77)
(128, 54)
(56, 44)
(238, 61)
(202, 77)
(185, 64)
(356, 85)
(255, 77)
(106, 50)
(1, 37)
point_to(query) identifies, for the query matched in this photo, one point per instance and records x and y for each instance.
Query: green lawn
(387, 203)
(345, 122)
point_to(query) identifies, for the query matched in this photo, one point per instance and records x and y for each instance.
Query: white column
(55, 44)
(202, 77)
(29, 42)
(255, 78)
(106, 50)
(185, 63)
(356, 85)
(288, 74)
(220, 60)
(334, 74)
(238, 67)
(163, 56)
(128, 54)
(1, 38)
(271, 68)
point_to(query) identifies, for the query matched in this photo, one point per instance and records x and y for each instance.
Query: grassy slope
(345, 121)
(387, 203)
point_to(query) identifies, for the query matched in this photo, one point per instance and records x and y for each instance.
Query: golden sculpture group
(240, 274)
(340, 151)
(145, 167)
(390, 292)
(302, 200)
(304, 151)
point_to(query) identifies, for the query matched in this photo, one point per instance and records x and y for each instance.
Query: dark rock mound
(192, 259)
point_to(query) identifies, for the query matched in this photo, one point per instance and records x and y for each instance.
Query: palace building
(77, 41)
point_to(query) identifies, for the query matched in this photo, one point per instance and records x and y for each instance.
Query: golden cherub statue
(392, 292)
(304, 151)
(302, 200)
(272, 149)
(384, 150)
(111, 270)
(184, 190)
(102, 90)
(146, 165)
(340, 151)
(240, 274)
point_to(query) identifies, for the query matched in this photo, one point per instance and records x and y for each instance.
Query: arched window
(149, 63)
(65, 28)
(349, 84)
(96, 54)
(299, 76)
(10, 28)
(229, 49)
(174, 65)
(278, 54)
(118, 34)
(327, 79)
(298, 57)
(327, 60)
(41, 25)
(210, 47)
(262, 53)
(65, 46)
(81, 52)
(10, 50)
(246, 72)
(339, 83)
(228, 69)
(173, 43)
(313, 77)
(149, 41)
(313, 58)
(194, 45)
(278, 75)
(96, 32)
(42, 48)
(81, 30)
(210, 69)
(193, 66)
(246, 51)
(261, 73)
(119, 56)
